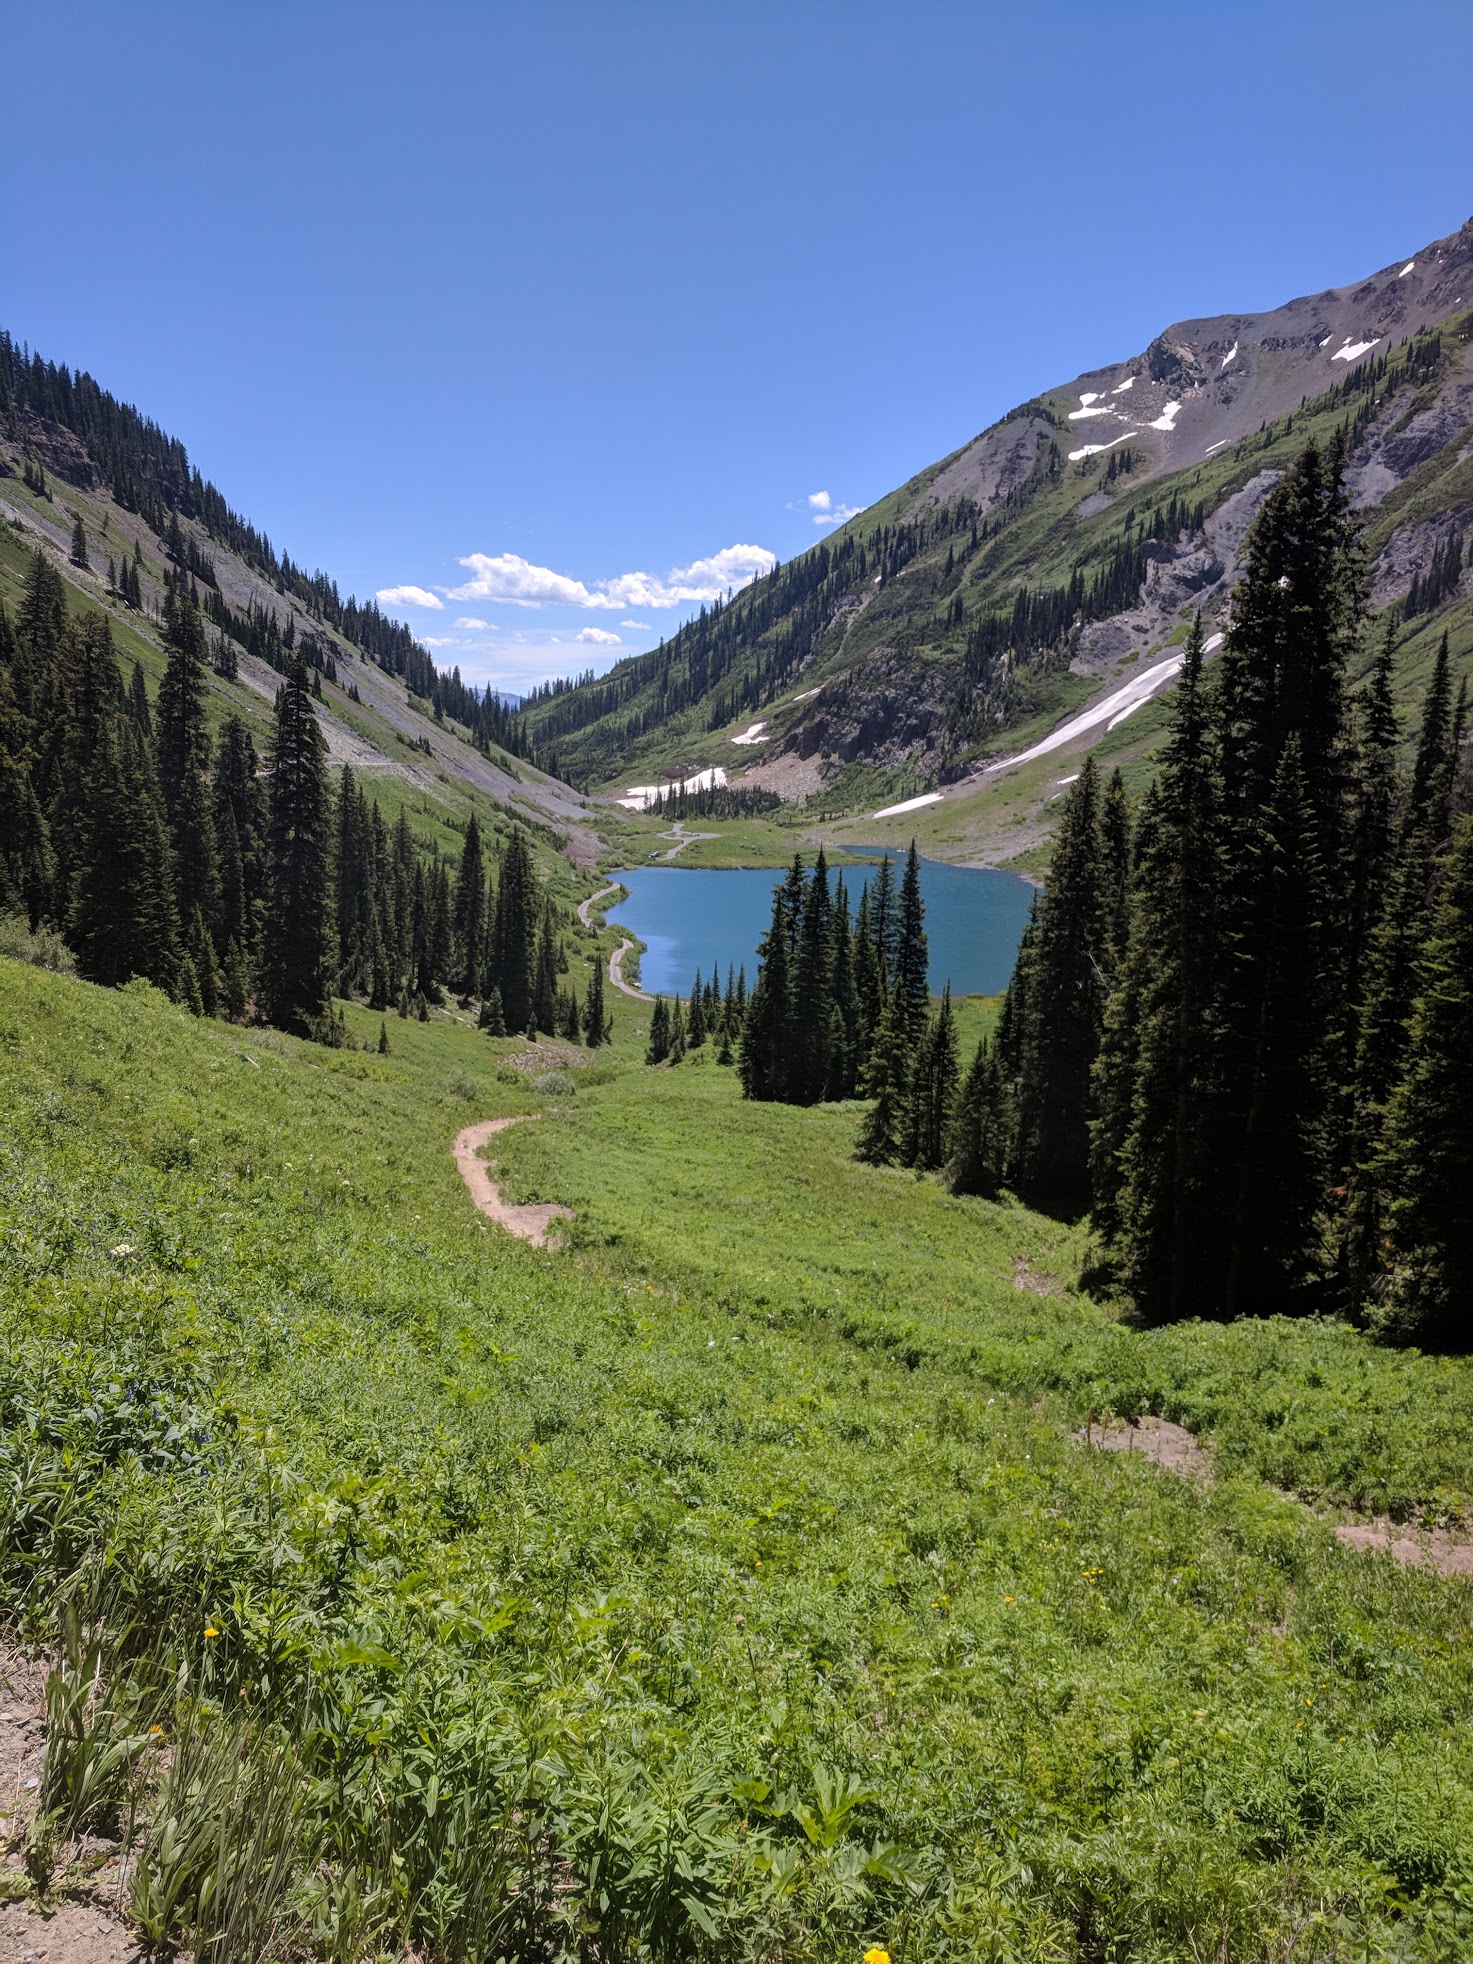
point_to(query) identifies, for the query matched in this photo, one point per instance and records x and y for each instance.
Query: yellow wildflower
(211, 1631)
(877, 1956)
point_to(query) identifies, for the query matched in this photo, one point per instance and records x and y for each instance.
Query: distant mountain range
(1071, 537)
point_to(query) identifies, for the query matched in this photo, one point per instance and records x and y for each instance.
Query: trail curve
(531, 1222)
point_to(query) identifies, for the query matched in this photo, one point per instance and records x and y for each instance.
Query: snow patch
(1089, 396)
(909, 805)
(639, 797)
(1094, 449)
(1073, 779)
(807, 695)
(1128, 383)
(1221, 444)
(1079, 415)
(1327, 340)
(1212, 641)
(1353, 350)
(1231, 355)
(1406, 269)
(1110, 710)
(1167, 419)
(752, 734)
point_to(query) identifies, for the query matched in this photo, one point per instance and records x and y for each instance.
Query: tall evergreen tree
(470, 912)
(931, 1092)
(595, 1017)
(184, 757)
(297, 927)
(514, 950)
(912, 954)
(1425, 1161)
(123, 920)
(79, 544)
(981, 1131)
(658, 1048)
(1060, 1033)
(1157, 1082)
(882, 1131)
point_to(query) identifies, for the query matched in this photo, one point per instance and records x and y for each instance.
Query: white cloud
(469, 620)
(508, 578)
(819, 500)
(640, 627)
(439, 640)
(407, 596)
(600, 636)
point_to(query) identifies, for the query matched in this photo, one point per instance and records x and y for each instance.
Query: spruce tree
(1060, 1033)
(882, 1132)
(912, 956)
(932, 1090)
(658, 1048)
(79, 544)
(1425, 1161)
(297, 929)
(470, 912)
(544, 984)
(123, 919)
(981, 1131)
(1157, 1083)
(514, 949)
(695, 1032)
(183, 744)
(812, 991)
(595, 1019)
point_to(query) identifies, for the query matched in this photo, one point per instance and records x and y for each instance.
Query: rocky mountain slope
(1000, 588)
(410, 750)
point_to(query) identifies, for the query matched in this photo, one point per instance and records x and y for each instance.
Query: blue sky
(563, 315)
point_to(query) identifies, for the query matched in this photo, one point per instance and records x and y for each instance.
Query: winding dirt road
(585, 907)
(530, 1222)
(616, 973)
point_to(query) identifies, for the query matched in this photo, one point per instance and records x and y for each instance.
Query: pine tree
(184, 758)
(767, 1021)
(931, 1092)
(383, 1039)
(882, 1133)
(677, 1031)
(695, 1033)
(912, 958)
(296, 934)
(1060, 1034)
(492, 1020)
(812, 990)
(514, 948)
(79, 544)
(544, 986)
(595, 1019)
(123, 919)
(470, 912)
(1115, 866)
(1157, 1083)
(201, 952)
(1425, 1162)
(138, 707)
(981, 1132)
(659, 1044)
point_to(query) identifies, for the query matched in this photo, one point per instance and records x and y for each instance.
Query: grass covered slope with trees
(726, 1584)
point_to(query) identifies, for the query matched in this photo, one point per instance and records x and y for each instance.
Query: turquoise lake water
(690, 918)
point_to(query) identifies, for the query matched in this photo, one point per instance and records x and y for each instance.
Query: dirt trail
(530, 1222)
(616, 973)
(1178, 1451)
(586, 907)
(678, 831)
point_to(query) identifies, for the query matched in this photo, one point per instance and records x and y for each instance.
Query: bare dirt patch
(1436, 1548)
(1026, 1276)
(1156, 1439)
(67, 1931)
(531, 1221)
(72, 1933)
(548, 1054)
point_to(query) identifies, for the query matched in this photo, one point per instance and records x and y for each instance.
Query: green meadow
(722, 1583)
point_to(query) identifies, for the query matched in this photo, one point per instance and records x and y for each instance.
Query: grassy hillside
(724, 1584)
